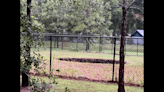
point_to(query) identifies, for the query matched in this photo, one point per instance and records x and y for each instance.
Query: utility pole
(25, 78)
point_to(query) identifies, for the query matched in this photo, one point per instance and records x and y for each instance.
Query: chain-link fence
(95, 47)
(101, 44)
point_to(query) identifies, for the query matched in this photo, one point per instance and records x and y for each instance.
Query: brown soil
(24, 89)
(90, 60)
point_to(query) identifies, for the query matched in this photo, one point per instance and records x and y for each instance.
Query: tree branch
(120, 4)
(136, 8)
(115, 6)
(131, 4)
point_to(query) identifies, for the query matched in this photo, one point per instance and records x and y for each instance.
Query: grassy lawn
(132, 60)
(84, 86)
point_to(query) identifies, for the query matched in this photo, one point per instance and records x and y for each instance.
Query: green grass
(133, 60)
(84, 86)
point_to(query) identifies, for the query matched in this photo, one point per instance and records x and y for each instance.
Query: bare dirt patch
(95, 71)
(24, 89)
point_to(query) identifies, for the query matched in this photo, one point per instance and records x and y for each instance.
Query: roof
(141, 32)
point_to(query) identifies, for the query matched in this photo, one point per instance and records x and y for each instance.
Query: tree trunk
(87, 39)
(62, 28)
(25, 79)
(122, 56)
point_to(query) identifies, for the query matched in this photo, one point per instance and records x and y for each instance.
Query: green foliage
(133, 23)
(91, 17)
(67, 90)
(27, 41)
(35, 60)
(131, 79)
(82, 16)
(58, 70)
(73, 49)
(75, 16)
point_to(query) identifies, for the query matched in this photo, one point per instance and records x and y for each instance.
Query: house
(138, 36)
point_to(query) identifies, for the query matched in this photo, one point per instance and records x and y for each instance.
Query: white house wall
(140, 40)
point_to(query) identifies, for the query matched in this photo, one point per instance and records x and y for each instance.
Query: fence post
(100, 44)
(50, 52)
(101, 40)
(114, 57)
(125, 45)
(112, 45)
(137, 46)
(86, 44)
(57, 42)
(62, 42)
(77, 44)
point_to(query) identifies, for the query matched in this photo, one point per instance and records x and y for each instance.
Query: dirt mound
(90, 60)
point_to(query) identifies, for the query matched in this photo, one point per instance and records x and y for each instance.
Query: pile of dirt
(90, 60)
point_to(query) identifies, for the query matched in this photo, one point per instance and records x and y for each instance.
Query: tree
(90, 17)
(28, 40)
(25, 79)
(122, 55)
(54, 14)
(133, 23)
(27, 60)
(116, 21)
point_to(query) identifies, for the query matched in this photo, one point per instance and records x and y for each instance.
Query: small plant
(106, 76)
(89, 50)
(99, 69)
(131, 79)
(88, 69)
(72, 72)
(53, 57)
(67, 90)
(141, 82)
(39, 85)
(73, 49)
(116, 78)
